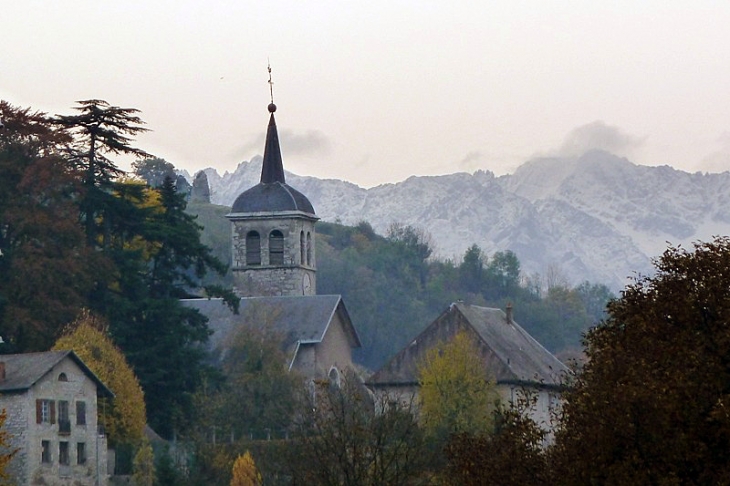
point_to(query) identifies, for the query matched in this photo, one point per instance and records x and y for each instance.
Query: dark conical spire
(273, 168)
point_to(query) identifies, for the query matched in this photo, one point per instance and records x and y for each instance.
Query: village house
(513, 360)
(51, 403)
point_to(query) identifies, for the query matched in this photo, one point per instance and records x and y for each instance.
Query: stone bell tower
(273, 232)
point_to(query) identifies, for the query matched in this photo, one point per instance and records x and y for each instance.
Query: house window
(80, 413)
(253, 248)
(276, 248)
(63, 457)
(45, 411)
(80, 453)
(62, 377)
(46, 451)
(64, 423)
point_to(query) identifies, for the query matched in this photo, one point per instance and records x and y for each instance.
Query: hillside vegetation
(393, 288)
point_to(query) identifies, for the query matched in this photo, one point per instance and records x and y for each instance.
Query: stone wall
(296, 276)
(16, 424)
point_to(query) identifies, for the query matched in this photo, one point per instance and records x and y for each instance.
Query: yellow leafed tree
(124, 417)
(244, 472)
(144, 466)
(455, 394)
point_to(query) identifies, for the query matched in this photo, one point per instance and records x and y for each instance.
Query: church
(275, 273)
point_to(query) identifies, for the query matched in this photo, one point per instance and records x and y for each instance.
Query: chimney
(509, 312)
(2, 370)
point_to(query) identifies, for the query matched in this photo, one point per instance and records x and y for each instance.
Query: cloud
(718, 161)
(598, 135)
(471, 160)
(309, 143)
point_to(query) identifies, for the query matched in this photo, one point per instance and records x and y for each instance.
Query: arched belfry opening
(253, 248)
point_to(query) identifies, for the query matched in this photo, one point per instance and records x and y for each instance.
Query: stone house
(51, 403)
(513, 359)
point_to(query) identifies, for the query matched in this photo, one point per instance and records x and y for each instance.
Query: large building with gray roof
(513, 360)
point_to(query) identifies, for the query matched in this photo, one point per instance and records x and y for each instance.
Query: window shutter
(38, 413)
(53, 412)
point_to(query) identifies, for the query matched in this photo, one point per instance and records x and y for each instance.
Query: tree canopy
(124, 417)
(455, 395)
(47, 273)
(74, 233)
(650, 406)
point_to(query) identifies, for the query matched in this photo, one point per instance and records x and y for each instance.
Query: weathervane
(271, 84)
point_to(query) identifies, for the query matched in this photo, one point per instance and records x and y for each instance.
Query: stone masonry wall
(267, 279)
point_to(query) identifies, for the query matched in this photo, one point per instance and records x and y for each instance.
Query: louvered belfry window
(253, 248)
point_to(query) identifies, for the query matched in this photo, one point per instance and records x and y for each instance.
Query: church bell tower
(273, 231)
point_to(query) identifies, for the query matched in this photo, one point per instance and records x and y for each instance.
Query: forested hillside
(393, 288)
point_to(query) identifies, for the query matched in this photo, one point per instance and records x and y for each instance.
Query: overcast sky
(376, 91)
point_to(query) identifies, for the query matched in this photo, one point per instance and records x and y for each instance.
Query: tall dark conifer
(99, 130)
(160, 261)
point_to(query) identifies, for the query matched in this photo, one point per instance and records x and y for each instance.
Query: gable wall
(404, 367)
(334, 350)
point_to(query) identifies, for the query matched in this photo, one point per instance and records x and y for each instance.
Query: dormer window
(253, 248)
(276, 248)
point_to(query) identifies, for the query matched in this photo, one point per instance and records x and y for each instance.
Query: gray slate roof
(22, 371)
(513, 355)
(271, 197)
(298, 319)
(272, 194)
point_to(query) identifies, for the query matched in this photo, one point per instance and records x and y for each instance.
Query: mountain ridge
(596, 217)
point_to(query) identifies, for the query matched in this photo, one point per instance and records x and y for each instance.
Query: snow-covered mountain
(596, 217)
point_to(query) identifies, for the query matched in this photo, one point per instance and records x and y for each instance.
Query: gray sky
(374, 92)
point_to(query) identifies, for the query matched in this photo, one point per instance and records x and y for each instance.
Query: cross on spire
(271, 84)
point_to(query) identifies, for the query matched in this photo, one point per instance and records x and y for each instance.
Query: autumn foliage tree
(456, 396)
(512, 454)
(244, 472)
(124, 417)
(47, 273)
(651, 405)
(144, 466)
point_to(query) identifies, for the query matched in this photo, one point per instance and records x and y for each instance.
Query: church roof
(299, 320)
(23, 371)
(511, 355)
(272, 194)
